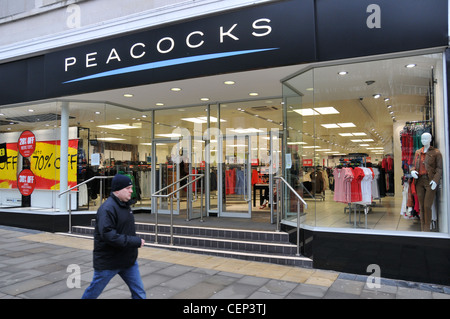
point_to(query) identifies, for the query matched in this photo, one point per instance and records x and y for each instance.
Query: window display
(370, 126)
(427, 172)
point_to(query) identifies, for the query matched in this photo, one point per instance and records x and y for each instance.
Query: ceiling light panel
(330, 125)
(121, 126)
(110, 139)
(346, 124)
(326, 110)
(306, 112)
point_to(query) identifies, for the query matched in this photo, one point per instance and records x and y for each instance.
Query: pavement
(42, 265)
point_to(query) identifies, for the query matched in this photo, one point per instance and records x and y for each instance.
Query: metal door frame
(247, 179)
(153, 170)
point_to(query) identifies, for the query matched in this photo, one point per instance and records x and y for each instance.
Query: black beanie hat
(119, 182)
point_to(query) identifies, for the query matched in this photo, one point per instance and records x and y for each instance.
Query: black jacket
(115, 241)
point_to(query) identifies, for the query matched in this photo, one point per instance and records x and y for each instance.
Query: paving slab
(34, 265)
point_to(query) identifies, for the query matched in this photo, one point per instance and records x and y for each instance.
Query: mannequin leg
(426, 197)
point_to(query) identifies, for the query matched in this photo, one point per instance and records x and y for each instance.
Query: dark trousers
(426, 198)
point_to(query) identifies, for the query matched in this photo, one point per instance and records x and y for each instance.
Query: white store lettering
(256, 26)
(113, 55)
(261, 28)
(132, 54)
(188, 40)
(89, 59)
(172, 45)
(228, 33)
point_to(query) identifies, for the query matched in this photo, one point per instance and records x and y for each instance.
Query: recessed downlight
(175, 89)
(343, 73)
(410, 65)
(128, 95)
(253, 94)
(229, 82)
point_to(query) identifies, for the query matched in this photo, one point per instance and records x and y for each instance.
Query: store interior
(335, 114)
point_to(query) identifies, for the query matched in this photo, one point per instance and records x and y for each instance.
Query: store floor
(383, 214)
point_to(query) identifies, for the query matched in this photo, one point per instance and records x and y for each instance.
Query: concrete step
(265, 246)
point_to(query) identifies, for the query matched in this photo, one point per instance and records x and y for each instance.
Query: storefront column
(64, 151)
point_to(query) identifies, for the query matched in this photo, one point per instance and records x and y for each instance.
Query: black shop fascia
(253, 38)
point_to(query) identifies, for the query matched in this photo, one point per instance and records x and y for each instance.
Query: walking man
(115, 242)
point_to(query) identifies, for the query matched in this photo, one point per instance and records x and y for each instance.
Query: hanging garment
(255, 177)
(213, 181)
(83, 195)
(404, 207)
(366, 186)
(338, 195)
(375, 185)
(317, 181)
(356, 192)
(240, 182)
(230, 181)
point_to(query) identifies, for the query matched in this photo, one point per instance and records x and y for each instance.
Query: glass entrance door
(166, 169)
(235, 176)
(196, 192)
(174, 161)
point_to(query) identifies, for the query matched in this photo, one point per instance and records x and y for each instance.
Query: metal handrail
(299, 199)
(78, 185)
(155, 203)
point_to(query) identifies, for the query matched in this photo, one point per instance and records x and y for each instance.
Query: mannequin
(427, 172)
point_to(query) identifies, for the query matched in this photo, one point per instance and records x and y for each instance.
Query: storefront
(335, 106)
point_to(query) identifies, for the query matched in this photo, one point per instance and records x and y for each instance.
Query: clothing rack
(354, 168)
(418, 122)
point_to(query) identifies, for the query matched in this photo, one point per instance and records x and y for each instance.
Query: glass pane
(362, 125)
(298, 95)
(29, 171)
(112, 140)
(253, 120)
(211, 138)
(186, 126)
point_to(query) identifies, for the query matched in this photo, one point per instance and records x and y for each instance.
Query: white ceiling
(265, 82)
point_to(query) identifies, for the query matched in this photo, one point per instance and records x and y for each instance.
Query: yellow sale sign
(44, 163)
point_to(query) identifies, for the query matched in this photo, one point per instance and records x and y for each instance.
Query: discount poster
(8, 167)
(44, 163)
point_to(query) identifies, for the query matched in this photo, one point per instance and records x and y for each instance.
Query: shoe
(264, 204)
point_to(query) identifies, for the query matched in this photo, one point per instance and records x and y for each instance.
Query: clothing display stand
(359, 196)
(357, 208)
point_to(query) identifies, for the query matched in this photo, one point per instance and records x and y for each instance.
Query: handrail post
(155, 204)
(70, 198)
(171, 220)
(155, 197)
(70, 214)
(299, 199)
(188, 202)
(201, 199)
(101, 193)
(278, 205)
(298, 227)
